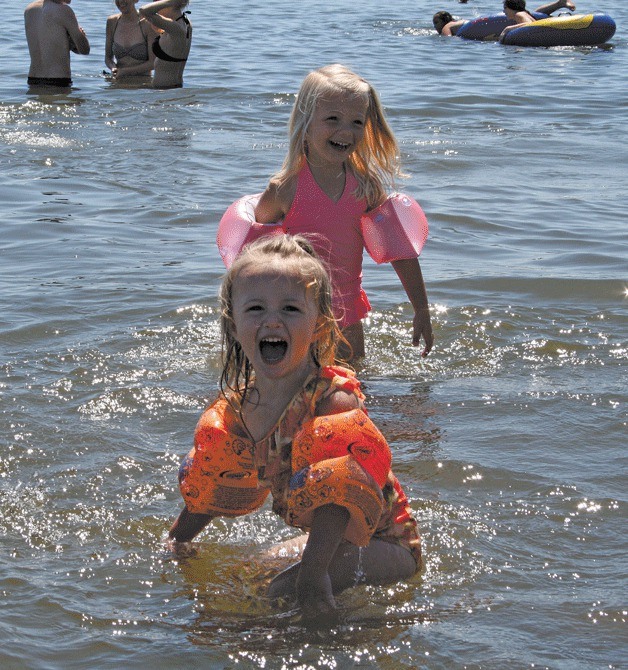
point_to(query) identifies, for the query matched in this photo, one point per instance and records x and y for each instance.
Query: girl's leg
(550, 7)
(354, 334)
(378, 563)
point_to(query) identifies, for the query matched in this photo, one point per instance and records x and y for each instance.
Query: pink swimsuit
(334, 230)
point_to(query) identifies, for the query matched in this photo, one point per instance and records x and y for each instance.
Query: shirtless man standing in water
(52, 31)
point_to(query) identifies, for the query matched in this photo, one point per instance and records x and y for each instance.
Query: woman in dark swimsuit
(172, 46)
(128, 42)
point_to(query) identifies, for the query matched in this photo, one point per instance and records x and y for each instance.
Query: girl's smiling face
(336, 128)
(275, 319)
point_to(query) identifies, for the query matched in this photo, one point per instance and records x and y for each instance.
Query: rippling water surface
(509, 439)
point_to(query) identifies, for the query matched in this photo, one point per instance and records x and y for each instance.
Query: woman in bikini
(128, 42)
(172, 46)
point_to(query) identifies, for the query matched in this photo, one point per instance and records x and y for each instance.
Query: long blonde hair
(375, 162)
(297, 257)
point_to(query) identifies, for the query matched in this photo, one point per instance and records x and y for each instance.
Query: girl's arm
(188, 526)
(313, 583)
(150, 12)
(142, 68)
(109, 62)
(447, 29)
(337, 402)
(409, 272)
(507, 29)
(313, 586)
(79, 43)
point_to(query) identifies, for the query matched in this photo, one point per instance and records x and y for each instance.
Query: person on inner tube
(516, 11)
(445, 24)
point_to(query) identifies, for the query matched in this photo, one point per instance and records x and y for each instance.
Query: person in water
(291, 423)
(445, 24)
(172, 47)
(516, 11)
(342, 157)
(52, 31)
(129, 42)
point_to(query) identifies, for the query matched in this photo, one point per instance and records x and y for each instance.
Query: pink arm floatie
(238, 227)
(397, 229)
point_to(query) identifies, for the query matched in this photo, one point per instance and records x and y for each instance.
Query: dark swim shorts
(50, 81)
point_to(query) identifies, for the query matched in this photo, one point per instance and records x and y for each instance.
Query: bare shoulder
(37, 4)
(283, 191)
(64, 13)
(337, 402)
(33, 10)
(275, 201)
(112, 21)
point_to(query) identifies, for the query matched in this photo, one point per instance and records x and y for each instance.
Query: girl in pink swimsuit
(341, 162)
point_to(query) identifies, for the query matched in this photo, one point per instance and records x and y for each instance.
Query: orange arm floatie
(217, 476)
(341, 459)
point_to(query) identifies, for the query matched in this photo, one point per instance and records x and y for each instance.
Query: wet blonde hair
(375, 162)
(296, 257)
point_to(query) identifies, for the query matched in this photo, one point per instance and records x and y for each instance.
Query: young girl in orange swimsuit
(290, 423)
(341, 160)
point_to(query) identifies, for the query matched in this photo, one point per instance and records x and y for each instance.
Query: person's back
(51, 32)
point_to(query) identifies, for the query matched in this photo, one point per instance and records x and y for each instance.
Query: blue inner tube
(576, 30)
(488, 28)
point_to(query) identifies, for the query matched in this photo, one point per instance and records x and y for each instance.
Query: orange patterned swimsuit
(305, 462)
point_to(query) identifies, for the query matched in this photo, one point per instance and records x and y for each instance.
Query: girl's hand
(180, 549)
(422, 327)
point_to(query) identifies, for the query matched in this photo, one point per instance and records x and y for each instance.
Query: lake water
(510, 439)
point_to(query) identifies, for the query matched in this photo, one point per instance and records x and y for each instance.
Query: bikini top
(138, 51)
(161, 54)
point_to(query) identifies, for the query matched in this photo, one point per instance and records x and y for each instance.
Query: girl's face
(125, 5)
(336, 128)
(275, 320)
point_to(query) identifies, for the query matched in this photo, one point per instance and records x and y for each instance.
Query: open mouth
(342, 146)
(273, 349)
